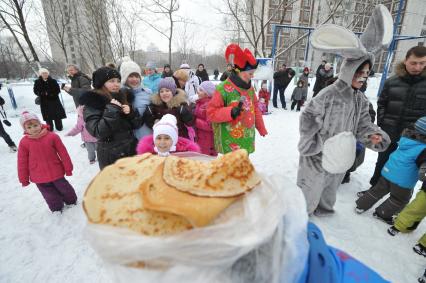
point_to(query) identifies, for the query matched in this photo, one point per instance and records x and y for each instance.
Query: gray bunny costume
(339, 108)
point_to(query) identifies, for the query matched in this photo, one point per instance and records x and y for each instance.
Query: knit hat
(128, 67)
(305, 69)
(184, 66)
(167, 126)
(208, 87)
(420, 125)
(168, 83)
(181, 74)
(102, 75)
(150, 65)
(27, 116)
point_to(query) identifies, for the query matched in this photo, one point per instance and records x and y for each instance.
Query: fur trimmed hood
(400, 70)
(414, 135)
(176, 100)
(98, 101)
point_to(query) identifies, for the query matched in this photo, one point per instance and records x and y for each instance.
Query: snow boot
(359, 210)
(388, 221)
(393, 231)
(420, 249)
(423, 278)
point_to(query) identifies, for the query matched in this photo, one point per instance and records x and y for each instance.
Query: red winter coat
(264, 94)
(204, 130)
(146, 144)
(43, 160)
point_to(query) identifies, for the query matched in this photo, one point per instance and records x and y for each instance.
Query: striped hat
(420, 125)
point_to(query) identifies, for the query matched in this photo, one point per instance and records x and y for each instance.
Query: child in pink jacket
(204, 130)
(44, 160)
(89, 140)
(165, 139)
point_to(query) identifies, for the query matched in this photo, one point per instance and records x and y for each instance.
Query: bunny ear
(338, 40)
(379, 31)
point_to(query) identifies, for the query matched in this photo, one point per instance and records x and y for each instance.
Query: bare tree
(185, 41)
(251, 20)
(160, 8)
(14, 15)
(122, 28)
(56, 21)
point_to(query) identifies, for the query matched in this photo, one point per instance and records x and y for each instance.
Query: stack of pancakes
(157, 196)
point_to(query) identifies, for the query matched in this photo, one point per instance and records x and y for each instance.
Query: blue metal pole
(307, 47)
(391, 48)
(274, 44)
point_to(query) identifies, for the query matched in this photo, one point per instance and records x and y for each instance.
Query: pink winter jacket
(80, 127)
(146, 144)
(204, 130)
(43, 160)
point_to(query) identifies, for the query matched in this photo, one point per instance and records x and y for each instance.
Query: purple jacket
(80, 127)
(204, 130)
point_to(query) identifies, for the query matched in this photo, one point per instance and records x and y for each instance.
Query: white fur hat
(128, 67)
(167, 126)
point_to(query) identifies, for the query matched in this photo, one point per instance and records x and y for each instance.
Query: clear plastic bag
(258, 239)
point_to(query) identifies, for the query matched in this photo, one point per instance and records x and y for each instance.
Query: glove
(235, 112)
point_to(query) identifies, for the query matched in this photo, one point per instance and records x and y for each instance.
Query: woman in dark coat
(202, 73)
(109, 117)
(323, 75)
(47, 89)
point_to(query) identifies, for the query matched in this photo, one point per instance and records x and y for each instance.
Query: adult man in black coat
(402, 101)
(80, 83)
(282, 79)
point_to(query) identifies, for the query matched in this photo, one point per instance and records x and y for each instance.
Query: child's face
(264, 87)
(32, 127)
(112, 85)
(300, 85)
(133, 80)
(201, 94)
(163, 143)
(166, 95)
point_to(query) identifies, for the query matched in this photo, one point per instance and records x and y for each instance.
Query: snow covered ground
(38, 246)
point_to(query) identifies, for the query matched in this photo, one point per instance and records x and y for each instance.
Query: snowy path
(37, 246)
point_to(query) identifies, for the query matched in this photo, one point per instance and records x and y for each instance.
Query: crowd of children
(120, 117)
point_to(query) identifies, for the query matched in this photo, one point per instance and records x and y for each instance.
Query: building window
(305, 15)
(287, 16)
(423, 33)
(306, 3)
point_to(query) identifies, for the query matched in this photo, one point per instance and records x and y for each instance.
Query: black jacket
(401, 102)
(321, 79)
(283, 78)
(202, 75)
(50, 105)
(112, 128)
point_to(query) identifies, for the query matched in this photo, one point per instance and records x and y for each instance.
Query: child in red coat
(204, 130)
(44, 160)
(265, 94)
(165, 139)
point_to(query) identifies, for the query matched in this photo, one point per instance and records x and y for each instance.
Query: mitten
(235, 112)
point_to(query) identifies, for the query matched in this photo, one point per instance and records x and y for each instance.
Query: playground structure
(276, 28)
